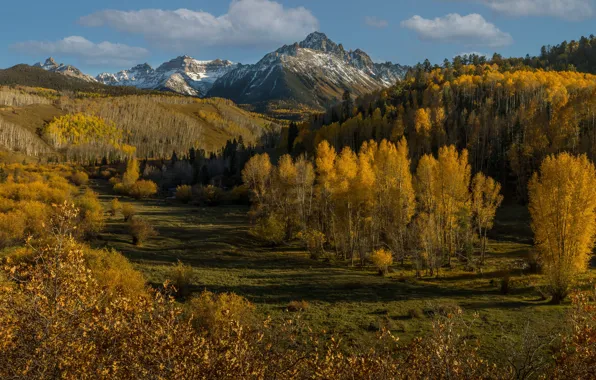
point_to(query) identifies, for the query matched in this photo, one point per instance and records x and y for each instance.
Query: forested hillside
(90, 126)
(508, 121)
(25, 75)
(567, 56)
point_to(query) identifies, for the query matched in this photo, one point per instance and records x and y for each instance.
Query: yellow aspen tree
(563, 210)
(325, 176)
(305, 179)
(344, 201)
(132, 173)
(453, 174)
(427, 221)
(283, 193)
(486, 199)
(422, 122)
(395, 195)
(256, 175)
(364, 189)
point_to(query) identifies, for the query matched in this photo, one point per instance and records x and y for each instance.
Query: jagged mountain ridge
(315, 72)
(71, 71)
(184, 75)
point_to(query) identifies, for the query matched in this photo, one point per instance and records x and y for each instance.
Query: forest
(440, 228)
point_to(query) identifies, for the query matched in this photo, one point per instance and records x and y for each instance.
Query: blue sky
(112, 35)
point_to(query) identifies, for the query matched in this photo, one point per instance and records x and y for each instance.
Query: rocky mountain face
(71, 71)
(315, 72)
(184, 75)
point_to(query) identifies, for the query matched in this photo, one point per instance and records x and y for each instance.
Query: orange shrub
(12, 227)
(79, 178)
(382, 259)
(143, 189)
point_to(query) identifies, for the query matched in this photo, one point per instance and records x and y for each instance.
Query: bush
(107, 174)
(184, 193)
(115, 206)
(269, 229)
(314, 241)
(118, 186)
(115, 274)
(36, 216)
(210, 195)
(239, 195)
(181, 277)
(295, 306)
(128, 212)
(79, 178)
(214, 312)
(91, 214)
(140, 230)
(382, 259)
(143, 189)
(12, 228)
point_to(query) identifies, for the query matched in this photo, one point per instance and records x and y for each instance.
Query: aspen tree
(486, 199)
(256, 174)
(563, 210)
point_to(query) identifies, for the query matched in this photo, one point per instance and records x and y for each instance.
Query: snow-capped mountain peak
(320, 42)
(315, 72)
(51, 65)
(182, 74)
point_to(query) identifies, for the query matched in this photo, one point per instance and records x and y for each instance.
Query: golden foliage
(184, 193)
(114, 274)
(115, 206)
(128, 211)
(563, 210)
(140, 230)
(143, 189)
(382, 259)
(181, 277)
(79, 178)
(214, 312)
(256, 174)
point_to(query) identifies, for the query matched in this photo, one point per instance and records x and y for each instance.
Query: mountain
(71, 71)
(184, 75)
(315, 72)
(30, 76)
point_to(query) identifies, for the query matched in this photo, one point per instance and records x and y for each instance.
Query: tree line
(508, 121)
(357, 203)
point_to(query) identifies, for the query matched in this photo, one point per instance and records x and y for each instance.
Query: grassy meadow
(351, 302)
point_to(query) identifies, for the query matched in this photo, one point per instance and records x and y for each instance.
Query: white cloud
(247, 23)
(566, 9)
(103, 53)
(375, 22)
(470, 30)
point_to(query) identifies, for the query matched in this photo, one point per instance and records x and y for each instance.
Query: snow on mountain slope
(315, 72)
(51, 65)
(184, 75)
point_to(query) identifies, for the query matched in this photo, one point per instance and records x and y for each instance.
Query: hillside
(305, 77)
(508, 121)
(155, 126)
(30, 76)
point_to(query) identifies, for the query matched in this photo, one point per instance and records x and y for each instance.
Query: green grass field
(353, 303)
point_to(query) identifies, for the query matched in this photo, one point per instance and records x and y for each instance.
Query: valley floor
(353, 303)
